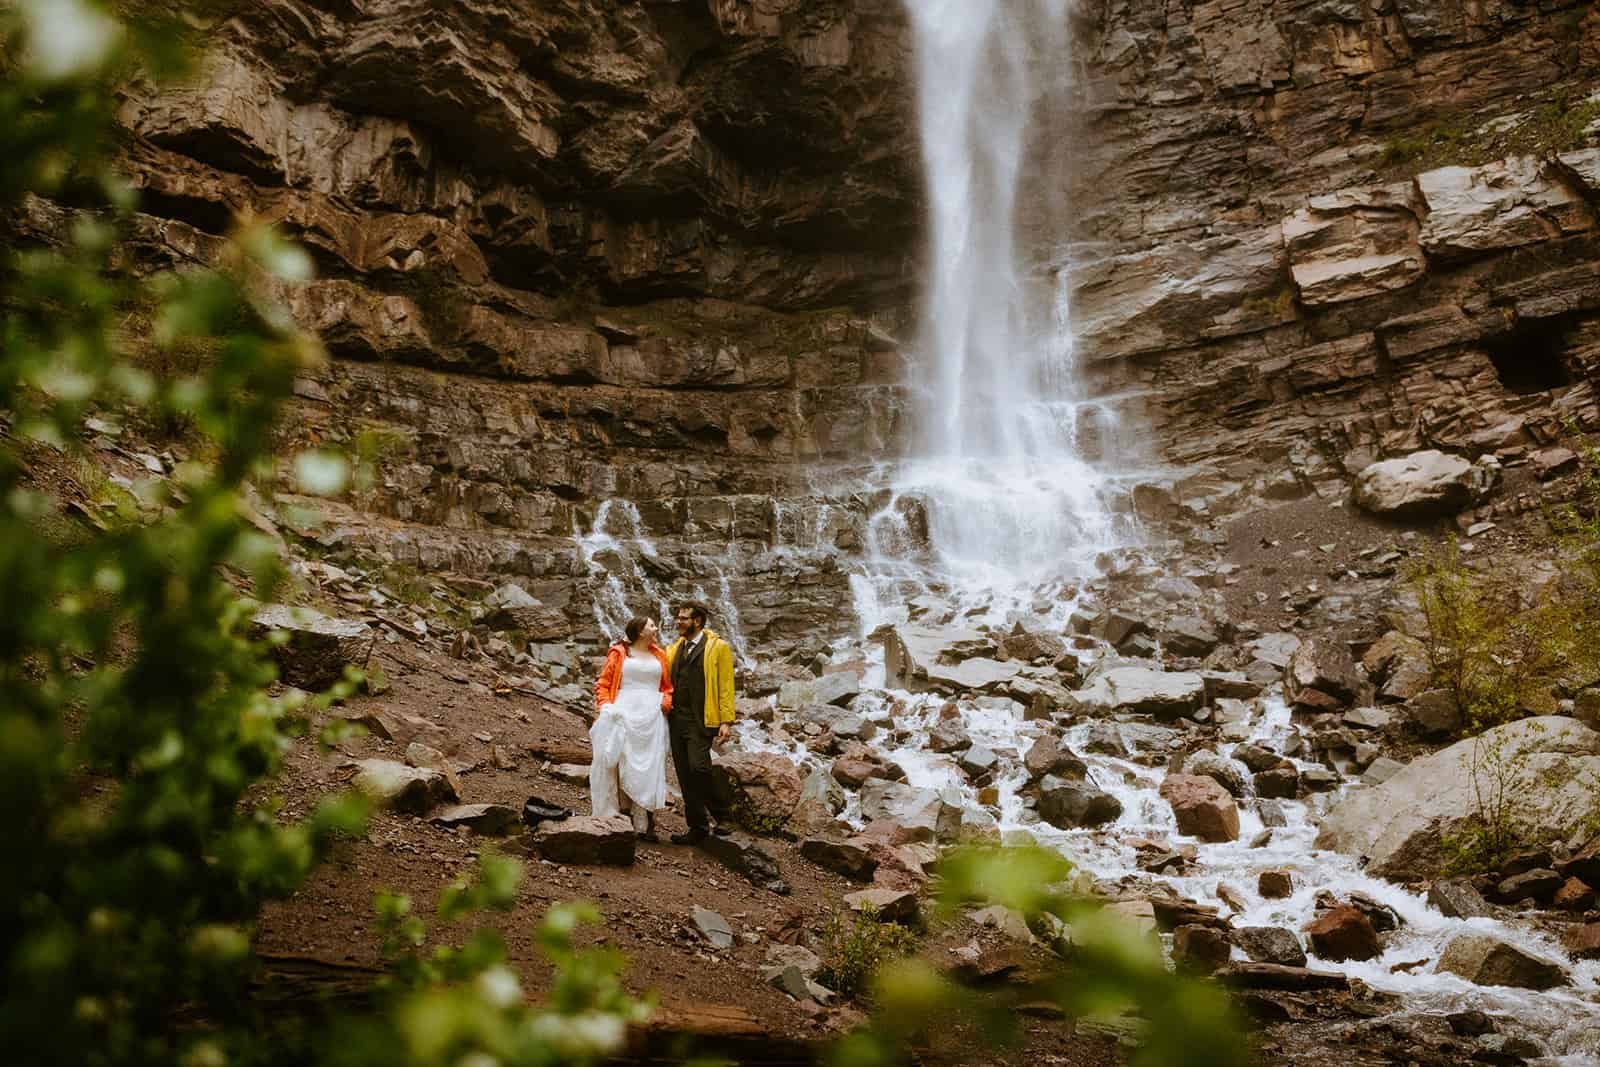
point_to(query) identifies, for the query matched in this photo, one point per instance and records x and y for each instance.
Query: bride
(629, 737)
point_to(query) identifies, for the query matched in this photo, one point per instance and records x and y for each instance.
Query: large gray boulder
(838, 688)
(1487, 960)
(1424, 485)
(922, 811)
(318, 647)
(1068, 804)
(1146, 691)
(1549, 766)
(394, 785)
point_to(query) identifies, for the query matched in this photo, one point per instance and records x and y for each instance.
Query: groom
(701, 665)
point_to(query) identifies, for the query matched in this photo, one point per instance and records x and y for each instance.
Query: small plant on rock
(856, 944)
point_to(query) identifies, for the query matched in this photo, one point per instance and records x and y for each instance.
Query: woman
(629, 737)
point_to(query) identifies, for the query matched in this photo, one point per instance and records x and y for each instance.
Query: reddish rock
(1585, 864)
(1275, 885)
(1203, 808)
(853, 859)
(768, 784)
(1321, 676)
(1583, 942)
(1574, 895)
(1344, 933)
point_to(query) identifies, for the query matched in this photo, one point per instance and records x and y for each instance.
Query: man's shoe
(693, 837)
(722, 829)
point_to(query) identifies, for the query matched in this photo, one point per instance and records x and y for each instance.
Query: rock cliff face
(1324, 232)
(661, 250)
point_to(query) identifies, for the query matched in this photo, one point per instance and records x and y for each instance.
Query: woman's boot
(644, 823)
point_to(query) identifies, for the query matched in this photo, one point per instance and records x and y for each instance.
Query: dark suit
(691, 738)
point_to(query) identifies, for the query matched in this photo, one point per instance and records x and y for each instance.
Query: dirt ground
(647, 907)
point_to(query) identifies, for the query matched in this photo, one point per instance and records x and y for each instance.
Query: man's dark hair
(634, 628)
(696, 611)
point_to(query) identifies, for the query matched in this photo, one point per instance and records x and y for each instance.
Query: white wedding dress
(629, 742)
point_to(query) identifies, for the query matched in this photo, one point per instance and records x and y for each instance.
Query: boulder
(767, 786)
(1190, 635)
(492, 820)
(857, 764)
(1202, 807)
(1574, 895)
(852, 858)
(744, 856)
(1486, 960)
(1381, 770)
(923, 813)
(317, 648)
(587, 840)
(1433, 713)
(1321, 676)
(1539, 884)
(1200, 949)
(1584, 864)
(831, 689)
(1504, 204)
(1208, 764)
(1030, 647)
(1344, 933)
(1583, 942)
(512, 607)
(1067, 804)
(1145, 691)
(1275, 885)
(429, 758)
(979, 763)
(1424, 485)
(1281, 783)
(416, 790)
(1048, 755)
(1549, 763)
(1458, 898)
(890, 905)
(1270, 944)
(823, 789)
(1258, 759)
(948, 736)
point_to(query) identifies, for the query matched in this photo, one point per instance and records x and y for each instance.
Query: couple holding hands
(648, 699)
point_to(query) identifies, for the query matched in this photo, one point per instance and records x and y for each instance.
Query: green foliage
(1555, 126)
(1115, 969)
(855, 945)
(1496, 646)
(1495, 829)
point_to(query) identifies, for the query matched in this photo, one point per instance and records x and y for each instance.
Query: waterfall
(1012, 494)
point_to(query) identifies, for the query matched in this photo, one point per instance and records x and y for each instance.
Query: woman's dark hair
(634, 628)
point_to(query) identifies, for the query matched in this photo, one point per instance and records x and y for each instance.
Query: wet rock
(416, 790)
(1280, 784)
(713, 927)
(820, 787)
(1224, 771)
(1469, 1023)
(1270, 944)
(1552, 766)
(948, 736)
(1344, 933)
(1202, 807)
(1368, 718)
(1258, 759)
(1067, 804)
(1275, 885)
(1486, 960)
(1041, 699)
(587, 840)
(890, 905)
(852, 858)
(1030, 647)
(1200, 949)
(1583, 942)
(1048, 755)
(1271, 814)
(1319, 779)
(1321, 676)
(1541, 884)
(491, 820)
(921, 812)
(1424, 485)
(831, 689)
(979, 762)
(318, 648)
(1584, 864)
(853, 728)
(766, 785)
(1434, 714)
(744, 856)
(1145, 691)
(1458, 898)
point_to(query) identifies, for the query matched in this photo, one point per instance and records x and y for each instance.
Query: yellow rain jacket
(718, 661)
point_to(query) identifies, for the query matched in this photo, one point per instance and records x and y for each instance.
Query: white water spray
(1000, 467)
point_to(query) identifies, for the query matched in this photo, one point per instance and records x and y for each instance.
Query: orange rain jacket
(610, 680)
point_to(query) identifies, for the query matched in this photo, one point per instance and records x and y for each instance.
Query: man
(701, 665)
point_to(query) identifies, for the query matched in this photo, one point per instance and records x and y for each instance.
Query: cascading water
(999, 474)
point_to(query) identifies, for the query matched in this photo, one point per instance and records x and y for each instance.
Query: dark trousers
(691, 756)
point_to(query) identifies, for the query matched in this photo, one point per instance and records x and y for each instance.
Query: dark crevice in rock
(1532, 357)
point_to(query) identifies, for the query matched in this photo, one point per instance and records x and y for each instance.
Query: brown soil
(647, 907)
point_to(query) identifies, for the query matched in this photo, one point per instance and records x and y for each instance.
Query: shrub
(855, 945)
